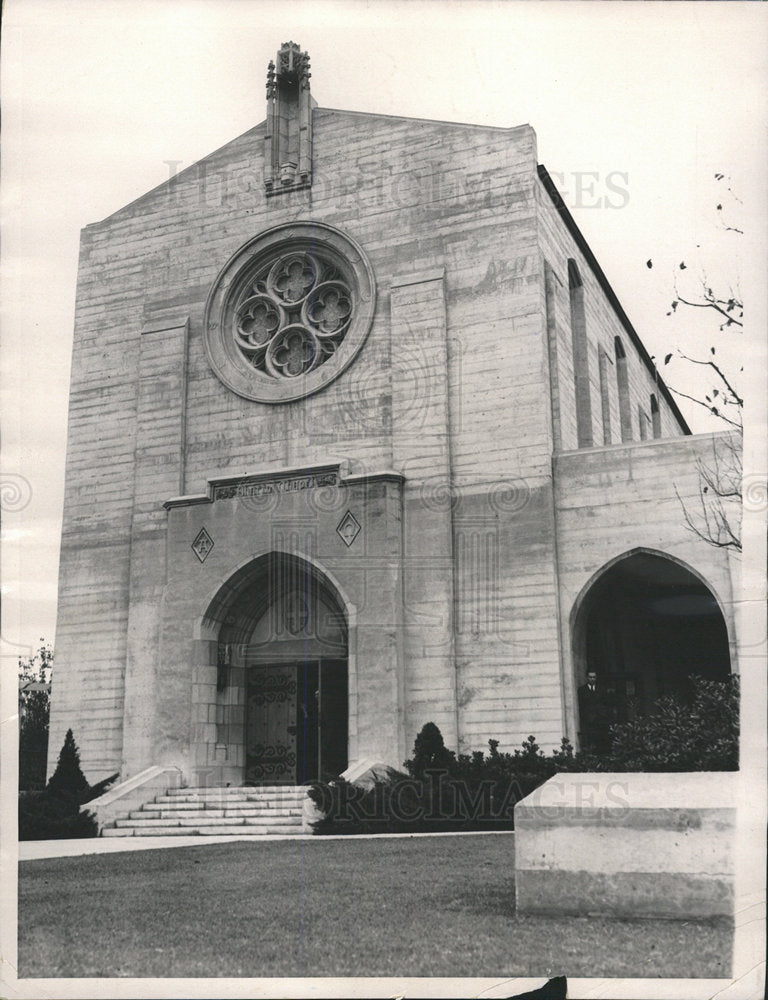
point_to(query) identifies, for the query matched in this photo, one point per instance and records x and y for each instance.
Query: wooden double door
(296, 722)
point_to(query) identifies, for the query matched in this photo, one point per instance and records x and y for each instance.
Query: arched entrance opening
(644, 626)
(282, 673)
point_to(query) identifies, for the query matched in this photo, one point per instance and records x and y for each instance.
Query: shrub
(55, 814)
(44, 816)
(352, 809)
(699, 733)
(402, 804)
(94, 791)
(32, 764)
(443, 791)
(440, 793)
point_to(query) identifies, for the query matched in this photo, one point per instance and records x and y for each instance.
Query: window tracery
(289, 312)
(293, 315)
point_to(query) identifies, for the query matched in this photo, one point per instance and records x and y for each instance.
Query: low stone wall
(133, 793)
(367, 772)
(628, 845)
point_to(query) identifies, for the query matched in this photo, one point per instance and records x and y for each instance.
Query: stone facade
(489, 426)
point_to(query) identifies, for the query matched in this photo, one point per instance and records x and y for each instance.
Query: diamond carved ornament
(202, 545)
(348, 528)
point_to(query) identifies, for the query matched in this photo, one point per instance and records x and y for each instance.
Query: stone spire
(288, 139)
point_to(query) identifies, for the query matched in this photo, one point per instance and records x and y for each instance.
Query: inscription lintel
(258, 486)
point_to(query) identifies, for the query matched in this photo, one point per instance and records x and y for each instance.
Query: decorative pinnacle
(293, 64)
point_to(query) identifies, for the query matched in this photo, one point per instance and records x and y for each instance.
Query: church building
(361, 438)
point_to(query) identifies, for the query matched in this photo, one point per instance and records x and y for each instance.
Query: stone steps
(140, 820)
(269, 792)
(273, 809)
(219, 801)
(163, 802)
(204, 831)
(231, 800)
(269, 815)
(238, 791)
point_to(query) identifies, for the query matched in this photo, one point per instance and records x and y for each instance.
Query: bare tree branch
(715, 516)
(706, 406)
(713, 513)
(711, 304)
(694, 361)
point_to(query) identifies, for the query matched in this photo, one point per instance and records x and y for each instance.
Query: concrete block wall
(433, 199)
(421, 448)
(603, 326)
(451, 390)
(94, 568)
(614, 500)
(415, 195)
(185, 718)
(507, 644)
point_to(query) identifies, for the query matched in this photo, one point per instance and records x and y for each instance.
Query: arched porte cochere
(282, 677)
(644, 626)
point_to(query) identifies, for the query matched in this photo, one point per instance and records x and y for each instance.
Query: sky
(636, 107)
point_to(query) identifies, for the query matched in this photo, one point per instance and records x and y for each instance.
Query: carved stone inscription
(267, 487)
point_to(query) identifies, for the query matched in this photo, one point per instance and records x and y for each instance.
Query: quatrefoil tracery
(293, 315)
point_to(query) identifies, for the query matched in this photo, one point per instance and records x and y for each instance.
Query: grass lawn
(409, 907)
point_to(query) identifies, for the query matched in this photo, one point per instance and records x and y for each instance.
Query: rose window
(293, 315)
(289, 312)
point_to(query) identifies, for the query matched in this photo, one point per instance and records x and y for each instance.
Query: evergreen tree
(430, 752)
(68, 778)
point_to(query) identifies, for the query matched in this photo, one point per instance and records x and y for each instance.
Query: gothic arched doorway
(282, 679)
(644, 626)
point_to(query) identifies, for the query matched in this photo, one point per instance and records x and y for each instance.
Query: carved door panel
(270, 739)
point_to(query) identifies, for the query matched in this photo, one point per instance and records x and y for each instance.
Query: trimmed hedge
(443, 791)
(440, 793)
(401, 804)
